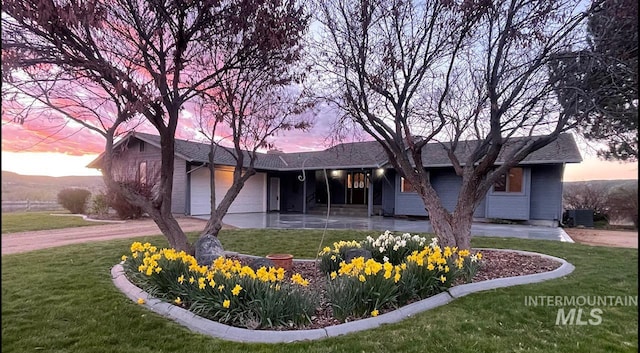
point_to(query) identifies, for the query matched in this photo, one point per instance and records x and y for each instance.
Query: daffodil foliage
(226, 291)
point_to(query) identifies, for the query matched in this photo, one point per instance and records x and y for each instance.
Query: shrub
(226, 292)
(74, 200)
(100, 204)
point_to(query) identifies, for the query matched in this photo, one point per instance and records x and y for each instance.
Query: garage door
(252, 197)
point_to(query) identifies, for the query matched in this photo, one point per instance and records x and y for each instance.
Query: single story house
(359, 177)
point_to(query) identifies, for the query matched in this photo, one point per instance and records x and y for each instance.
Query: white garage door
(252, 197)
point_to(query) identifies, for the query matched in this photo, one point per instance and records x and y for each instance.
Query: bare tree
(247, 109)
(413, 72)
(148, 58)
(585, 196)
(623, 204)
(603, 78)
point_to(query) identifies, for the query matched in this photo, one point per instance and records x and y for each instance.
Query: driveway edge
(215, 329)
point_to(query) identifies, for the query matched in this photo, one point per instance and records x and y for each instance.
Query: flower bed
(230, 292)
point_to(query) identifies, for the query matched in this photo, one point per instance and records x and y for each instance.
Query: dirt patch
(602, 237)
(27, 241)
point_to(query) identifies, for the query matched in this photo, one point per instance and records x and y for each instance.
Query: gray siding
(179, 193)
(389, 192)
(447, 185)
(126, 167)
(408, 203)
(480, 211)
(514, 206)
(546, 192)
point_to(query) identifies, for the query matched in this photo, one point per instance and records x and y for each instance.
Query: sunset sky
(31, 150)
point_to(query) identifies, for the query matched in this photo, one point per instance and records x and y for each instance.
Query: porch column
(370, 195)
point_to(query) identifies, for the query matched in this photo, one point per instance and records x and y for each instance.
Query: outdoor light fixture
(380, 171)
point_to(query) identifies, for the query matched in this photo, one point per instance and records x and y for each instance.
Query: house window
(510, 182)
(141, 146)
(405, 186)
(142, 173)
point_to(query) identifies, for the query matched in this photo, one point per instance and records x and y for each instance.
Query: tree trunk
(217, 213)
(452, 229)
(158, 209)
(164, 217)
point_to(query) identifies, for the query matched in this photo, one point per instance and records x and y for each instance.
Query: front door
(274, 194)
(357, 186)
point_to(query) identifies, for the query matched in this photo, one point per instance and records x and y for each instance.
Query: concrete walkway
(379, 223)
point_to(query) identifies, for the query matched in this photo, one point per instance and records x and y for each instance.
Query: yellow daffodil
(226, 303)
(236, 290)
(375, 313)
(297, 279)
(141, 301)
(178, 301)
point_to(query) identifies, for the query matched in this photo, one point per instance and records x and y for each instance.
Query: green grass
(28, 221)
(63, 300)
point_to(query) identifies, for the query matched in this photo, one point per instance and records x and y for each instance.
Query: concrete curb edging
(215, 329)
(87, 218)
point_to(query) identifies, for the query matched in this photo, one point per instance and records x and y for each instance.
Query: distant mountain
(17, 187)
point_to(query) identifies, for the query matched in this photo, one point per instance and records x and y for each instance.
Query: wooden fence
(28, 205)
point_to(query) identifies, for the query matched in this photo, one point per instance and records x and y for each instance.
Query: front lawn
(63, 300)
(27, 221)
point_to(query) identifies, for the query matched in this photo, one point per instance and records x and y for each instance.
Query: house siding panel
(546, 192)
(388, 192)
(480, 211)
(447, 185)
(128, 161)
(179, 192)
(513, 206)
(408, 203)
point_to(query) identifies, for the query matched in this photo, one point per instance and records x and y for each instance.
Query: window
(142, 176)
(511, 182)
(405, 185)
(141, 146)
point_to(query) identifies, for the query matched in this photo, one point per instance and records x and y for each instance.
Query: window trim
(507, 183)
(402, 186)
(411, 191)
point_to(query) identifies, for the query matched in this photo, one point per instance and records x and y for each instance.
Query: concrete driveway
(379, 223)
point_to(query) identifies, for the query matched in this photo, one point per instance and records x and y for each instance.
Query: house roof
(368, 154)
